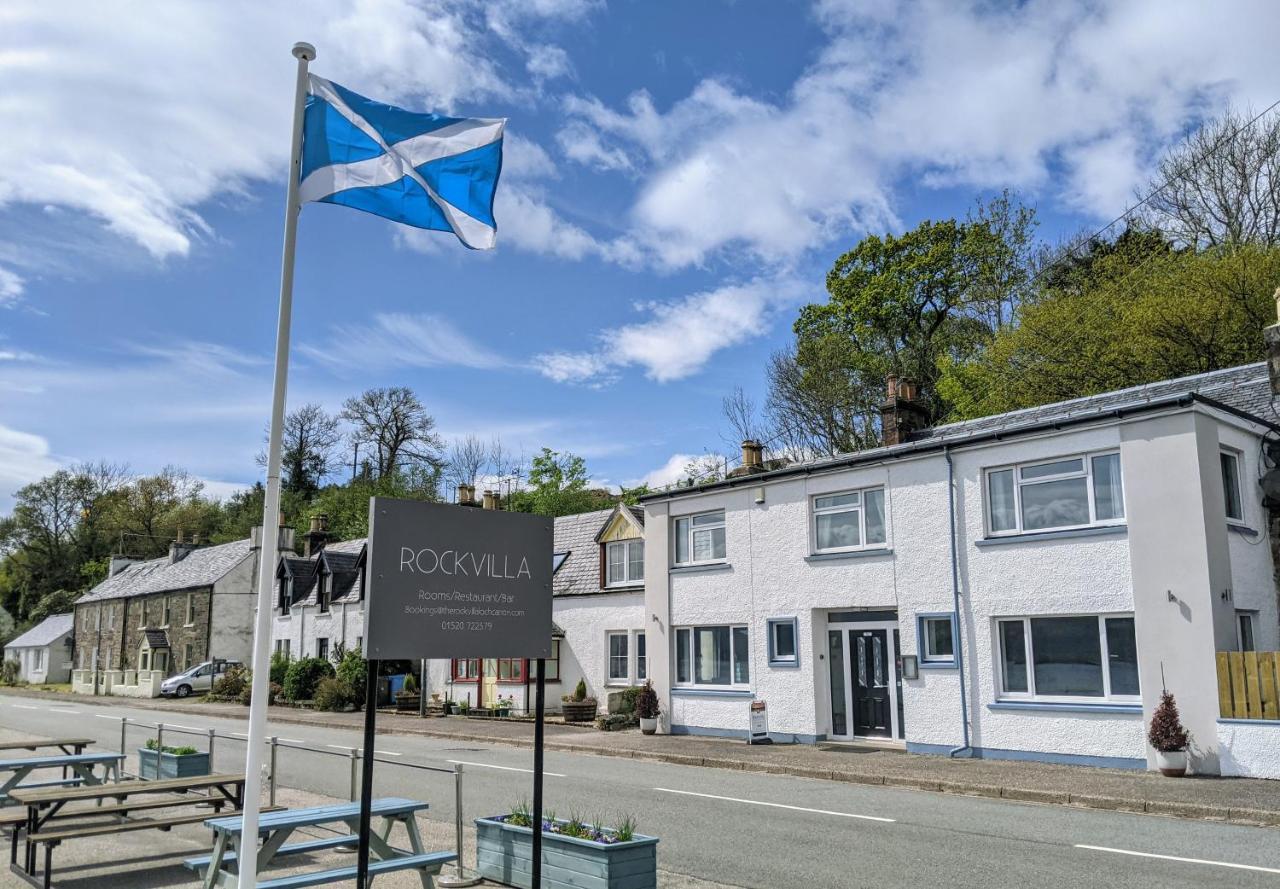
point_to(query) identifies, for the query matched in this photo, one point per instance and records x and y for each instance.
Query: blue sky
(679, 178)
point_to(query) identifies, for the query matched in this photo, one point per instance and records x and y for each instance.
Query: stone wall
(115, 628)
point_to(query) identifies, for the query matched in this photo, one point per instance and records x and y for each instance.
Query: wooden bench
(428, 864)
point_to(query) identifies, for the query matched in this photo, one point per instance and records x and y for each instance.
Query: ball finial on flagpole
(302, 50)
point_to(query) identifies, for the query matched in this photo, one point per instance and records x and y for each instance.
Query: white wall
(583, 653)
(1249, 750)
(232, 607)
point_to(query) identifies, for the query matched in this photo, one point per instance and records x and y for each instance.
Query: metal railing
(353, 755)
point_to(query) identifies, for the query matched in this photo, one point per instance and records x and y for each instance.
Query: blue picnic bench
(275, 828)
(82, 765)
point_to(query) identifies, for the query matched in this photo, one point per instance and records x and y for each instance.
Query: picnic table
(69, 746)
(82, 764)
(49, 822)
(275, 828)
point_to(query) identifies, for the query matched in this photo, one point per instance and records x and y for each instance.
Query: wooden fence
(1248, 684)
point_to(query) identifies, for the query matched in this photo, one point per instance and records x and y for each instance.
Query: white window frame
(609, 657)
(166, 611)
(1241, 618)
(627, 579)
(641, 671)
(860, 508)
(1086, 459)
(191, 611)
(691, 532)
(323, 655)
(1029, 656)
(1237, 458)
(693, 666)
(775, 659)
(929, 658)
(37, 661)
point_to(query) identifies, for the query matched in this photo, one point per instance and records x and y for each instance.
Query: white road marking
(27, 707)
(485, 765)
(386, 753)
(106, 716)
(1253, 867)
(755, 802)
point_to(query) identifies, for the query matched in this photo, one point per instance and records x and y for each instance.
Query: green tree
(558, 486)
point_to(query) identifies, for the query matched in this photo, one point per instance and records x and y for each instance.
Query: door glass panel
(839, 716)
(862, 662)
(877, 662)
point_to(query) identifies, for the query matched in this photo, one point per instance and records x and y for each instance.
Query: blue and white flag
(424, 170)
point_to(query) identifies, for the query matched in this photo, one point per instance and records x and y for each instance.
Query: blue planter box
(153, 765)
(504, 853)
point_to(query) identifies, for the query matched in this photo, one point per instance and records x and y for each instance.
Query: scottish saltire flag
(424, 170)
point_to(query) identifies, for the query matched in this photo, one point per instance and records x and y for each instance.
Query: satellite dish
(1270, 484)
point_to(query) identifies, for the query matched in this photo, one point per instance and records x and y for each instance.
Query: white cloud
(221, 490)
(398, 339)
(24, 457)
(679, 337)
(11, 286)
(668, 473)
(1039, 95)
(139, 125)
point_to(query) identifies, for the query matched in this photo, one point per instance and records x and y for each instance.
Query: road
(748, 829)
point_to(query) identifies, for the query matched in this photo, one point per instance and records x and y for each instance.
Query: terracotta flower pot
(1171, 763)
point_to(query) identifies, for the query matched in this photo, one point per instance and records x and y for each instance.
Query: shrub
(352, 669)
(235, 684)
(9, 673)
(176, 751)
(302, 677)
(410, 684)
(279, 667)
(647, 704)
(277, 691)
(627, 699)
(334, 694)
(1166, 733)
(580, 690)
(615, 722)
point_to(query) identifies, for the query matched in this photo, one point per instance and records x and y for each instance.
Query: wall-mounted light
(910, 666)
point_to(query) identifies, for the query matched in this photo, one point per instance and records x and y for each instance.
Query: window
(619, 661)
(111, 618)
(1231, 485)
(97, 618)
(1068, 658)
(37, 659)
(642, 659)
(466, 669)
(700, 538)
(191, 610)
(553, 664)
(164, 611)
(322, 648)
(142, 614)
(782, 642)
(325, 593)
(624, 562)
(282, 647)
(510, 669)
(937, 642)
(188, 653)
(712, 656)
(286, 595)
(1071, 492)
(1245, 621)
(848, 520)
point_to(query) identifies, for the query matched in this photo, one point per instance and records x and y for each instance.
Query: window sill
(692, 691)
(699, 569)
(938, 665)
(1062, 707)
(618, 587)
(1101, 531)
(789, 664)
(1242, 530)
(850, 554)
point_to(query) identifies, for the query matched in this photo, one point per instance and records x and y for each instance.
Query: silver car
(198, 679)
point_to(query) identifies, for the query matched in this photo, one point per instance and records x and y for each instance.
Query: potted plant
(583, 853)
(577, 707)
(648, 709)
(408, 699)
(448, 707)
(155, 762)
(1169, 738)
(505, 705)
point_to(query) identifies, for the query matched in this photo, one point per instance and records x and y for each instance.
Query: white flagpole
(248, 861)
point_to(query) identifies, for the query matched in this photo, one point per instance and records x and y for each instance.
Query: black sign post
(450, 581)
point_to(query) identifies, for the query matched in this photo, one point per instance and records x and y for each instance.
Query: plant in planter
(505, 705)
(648, 708)
(585, 852)
(1169, 738)
(155, 762)
(577, 707)
(408, 698)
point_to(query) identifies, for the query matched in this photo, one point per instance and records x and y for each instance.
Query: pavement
(1244, 800)
(717, 826)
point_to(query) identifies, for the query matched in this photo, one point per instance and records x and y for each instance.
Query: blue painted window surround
(936, 640)
(784, 641)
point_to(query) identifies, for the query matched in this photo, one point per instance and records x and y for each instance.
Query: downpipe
(955, 604)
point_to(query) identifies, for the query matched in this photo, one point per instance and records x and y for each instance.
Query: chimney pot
(752, 455)
(489, 500)
(891, 386)
(315, 523)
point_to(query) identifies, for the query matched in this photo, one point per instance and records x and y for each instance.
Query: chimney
(466, 495)
(752, 455)
(902, 413)
(118, 564)
(1271, 339)
(317, 536)
(489, 500)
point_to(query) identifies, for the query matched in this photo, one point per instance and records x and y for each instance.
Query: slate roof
(1246, 388)
(576, 535)
(342, 561)
(201, 567)
(48, 631)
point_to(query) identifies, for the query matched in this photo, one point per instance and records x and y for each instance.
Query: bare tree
(505, 467)
(308, 455)
(1222, 185)
(467, 456)
(818, 409)
(744, 418)
(396, 427)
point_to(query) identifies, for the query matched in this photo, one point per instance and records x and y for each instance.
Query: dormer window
(286, 594)
(325, 593)
(624, 563)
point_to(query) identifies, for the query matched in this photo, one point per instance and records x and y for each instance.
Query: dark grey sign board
(456, 581)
